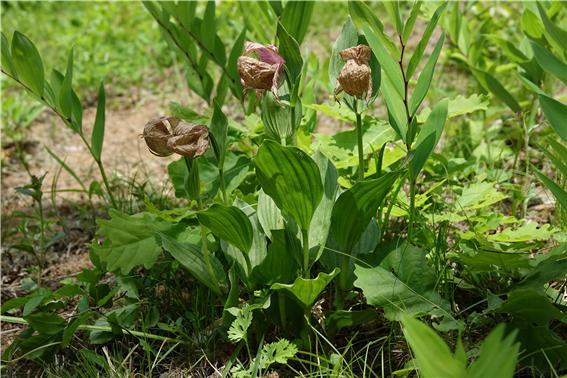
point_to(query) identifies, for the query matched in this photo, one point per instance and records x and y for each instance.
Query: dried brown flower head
(156, 134)
(189, 140)
(262, 72)
(167, 135)
(356, 77)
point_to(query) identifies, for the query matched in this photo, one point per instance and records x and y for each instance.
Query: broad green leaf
(208, 26)
(289, 49)
(28, 63)
(424, 81)
(296, 17)
(559, 193)
(269, 216)
(419, 50)
(390, 67)
(347, 38)
(191, 257)
(228, 223)
(66, 91)
(306, 290)
(408, 27)
(281, 262)
(362, 15)
(556, 114)
(97, 136)
(403, 283)
(549, 62)
(355, 208)
(291, 178)
(498, 355)
(490, 83)
(7, 61)
(130, 240)
(218, 129)
(276, 117)
(321, 223)
(434, 358)
(428, 137)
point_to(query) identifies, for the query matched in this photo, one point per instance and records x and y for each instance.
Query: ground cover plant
(353, 189)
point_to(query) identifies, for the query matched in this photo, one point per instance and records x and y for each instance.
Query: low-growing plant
(286, 238)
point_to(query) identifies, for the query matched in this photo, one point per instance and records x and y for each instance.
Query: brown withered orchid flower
(356, 77)
(260, 67)
(156, 134)
(167, 135)
(189, 140)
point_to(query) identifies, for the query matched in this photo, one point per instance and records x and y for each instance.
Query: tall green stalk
(360, 146)
(305, 239)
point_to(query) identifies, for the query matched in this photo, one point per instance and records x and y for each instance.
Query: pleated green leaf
(355, 208)
(296, 17)
(291, 178)
(230, 224)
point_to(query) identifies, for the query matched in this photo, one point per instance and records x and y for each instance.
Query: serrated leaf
(228, 223)
(306, 290)
(28, 63)
(291, 178)
(403, 283)
(479, 195)
(130, 240)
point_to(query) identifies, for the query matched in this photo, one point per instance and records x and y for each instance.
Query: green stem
(84, 327)
(41, 259)
(305, 238)
(281, 305)
(223, 186)
(360, 146)
(411, 207)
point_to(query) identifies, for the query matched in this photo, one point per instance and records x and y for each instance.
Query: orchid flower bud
(189, 140)
(157, 133)
(263, 72)
(356, 77)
